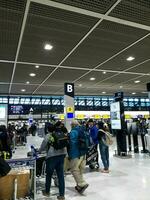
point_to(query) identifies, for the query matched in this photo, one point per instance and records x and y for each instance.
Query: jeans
(77, 167)
(104, 151)
(55, 163)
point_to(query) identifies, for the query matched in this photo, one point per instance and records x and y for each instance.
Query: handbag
(4, 167)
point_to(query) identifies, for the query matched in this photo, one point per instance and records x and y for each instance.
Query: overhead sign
(69, 89)
(80, 116)
(70, 109)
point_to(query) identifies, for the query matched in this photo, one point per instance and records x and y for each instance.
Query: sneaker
(61, 198)
(81, 189)
(45, 193)
(105, 171)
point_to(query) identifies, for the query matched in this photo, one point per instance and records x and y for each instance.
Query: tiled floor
(129, 180)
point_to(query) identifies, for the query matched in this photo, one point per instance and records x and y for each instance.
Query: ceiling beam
(91, 13)
(20, 41)
(49, 3)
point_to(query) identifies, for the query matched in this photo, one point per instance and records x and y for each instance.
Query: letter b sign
(69, 89)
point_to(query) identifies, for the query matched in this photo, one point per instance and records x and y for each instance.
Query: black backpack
(84, 140)
(61, 139)
(4, 167)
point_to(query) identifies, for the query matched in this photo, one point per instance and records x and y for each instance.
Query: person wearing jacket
(54, 161)
(104, 148)
(77, 158)
(93, 130)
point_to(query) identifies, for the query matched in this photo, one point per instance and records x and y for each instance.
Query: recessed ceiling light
(103, 92)
(37, 66)
(121, 86)
(32, 74)
(27, 82)
(137, 81)
(92, 79)
(130, 58)
(48, 46)
(80, 85)
(104, 72)
(133, 93)
(23, 90)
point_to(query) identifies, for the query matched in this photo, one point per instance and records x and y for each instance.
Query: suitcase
(92, 157)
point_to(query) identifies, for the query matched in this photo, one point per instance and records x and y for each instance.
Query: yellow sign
(62, 117)
(80, 116)
(70, 109)
(146, 116)
(97, 116)
(106, 116)
(128, 117)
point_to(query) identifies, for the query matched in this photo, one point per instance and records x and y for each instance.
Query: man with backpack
(77, 155)
(55, 144)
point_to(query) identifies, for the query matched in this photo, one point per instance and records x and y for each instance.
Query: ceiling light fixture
(130, 58)
(103, 92)
(48, 47)
(23, 90)
(27, 82)
(92, 79)
(80, 85)
(37, 66)
(104, 72)
(137, 81)
(32, 74)
(133, 93)
(121, 86)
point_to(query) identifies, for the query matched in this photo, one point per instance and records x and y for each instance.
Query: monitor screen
(16, 109)
(115, 115)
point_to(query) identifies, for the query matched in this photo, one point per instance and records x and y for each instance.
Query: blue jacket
(73, 150)
(94, 134)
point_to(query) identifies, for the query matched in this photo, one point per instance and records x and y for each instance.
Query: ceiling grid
(90, 38)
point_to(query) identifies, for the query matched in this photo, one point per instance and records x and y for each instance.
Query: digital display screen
(115, 115)
(16, 109)
(70, 115)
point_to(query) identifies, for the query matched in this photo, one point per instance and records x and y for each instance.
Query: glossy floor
(129, 179)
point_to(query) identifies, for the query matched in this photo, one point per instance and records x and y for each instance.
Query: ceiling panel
(99, 6)
(143, 81)
(141, 53)
(143, 68)
(23, 71)
(16, 89)
(62, 29)
(133, 10)
(118, 79)
(4, 88)
(99, 76)
(51, 90)
(5, 72)
(64, 75)
(11, 15)
(105, 41)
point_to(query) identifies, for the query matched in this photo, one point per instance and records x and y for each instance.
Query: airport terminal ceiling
(100, 45)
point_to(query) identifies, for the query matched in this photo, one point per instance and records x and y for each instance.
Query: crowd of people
(66, 150)
(73, 146)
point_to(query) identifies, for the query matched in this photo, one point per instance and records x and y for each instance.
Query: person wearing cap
(77, 159)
